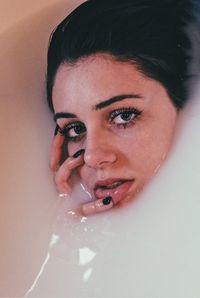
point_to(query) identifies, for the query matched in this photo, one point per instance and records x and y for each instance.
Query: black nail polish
(107, 200)
(56, 130)
(78, 153)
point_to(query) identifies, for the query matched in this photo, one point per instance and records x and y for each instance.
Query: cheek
(150, 147)
(146, 146)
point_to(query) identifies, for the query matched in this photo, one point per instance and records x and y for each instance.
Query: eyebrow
(111, 100)
(64, 115)
(100, 105)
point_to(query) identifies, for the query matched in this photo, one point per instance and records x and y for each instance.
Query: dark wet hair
(151, 34)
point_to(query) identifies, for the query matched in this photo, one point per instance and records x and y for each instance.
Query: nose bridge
(98, 149)
(96, 136)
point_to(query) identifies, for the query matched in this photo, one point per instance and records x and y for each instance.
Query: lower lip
(117, 193)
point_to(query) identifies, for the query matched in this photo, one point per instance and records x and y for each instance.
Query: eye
(73, 131)
(124, 117)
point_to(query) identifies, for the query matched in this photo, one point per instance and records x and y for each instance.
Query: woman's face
(123, 119)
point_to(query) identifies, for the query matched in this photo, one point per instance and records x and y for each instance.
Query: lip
(117, 193)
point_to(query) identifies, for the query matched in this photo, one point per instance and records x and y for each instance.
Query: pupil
(79, 129)
(126, 116)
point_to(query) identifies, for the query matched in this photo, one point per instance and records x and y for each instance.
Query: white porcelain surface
(151, 248)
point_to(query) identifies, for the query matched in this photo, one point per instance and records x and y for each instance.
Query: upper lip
(109, 181)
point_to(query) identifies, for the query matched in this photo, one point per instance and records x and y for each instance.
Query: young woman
(116, 79)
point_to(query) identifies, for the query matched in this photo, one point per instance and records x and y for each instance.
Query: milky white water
(149, 248)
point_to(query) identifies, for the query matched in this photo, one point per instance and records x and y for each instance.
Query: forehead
(95, 79)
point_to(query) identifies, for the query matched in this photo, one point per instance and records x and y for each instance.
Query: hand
(63, 173)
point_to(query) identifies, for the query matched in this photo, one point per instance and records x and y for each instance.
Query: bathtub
(148, 249)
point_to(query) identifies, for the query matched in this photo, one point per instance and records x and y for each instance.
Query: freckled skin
(134, 152)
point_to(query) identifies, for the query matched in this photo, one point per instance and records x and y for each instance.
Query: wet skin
(122, 119)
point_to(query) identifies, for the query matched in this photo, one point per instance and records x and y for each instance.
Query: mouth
(116, 188)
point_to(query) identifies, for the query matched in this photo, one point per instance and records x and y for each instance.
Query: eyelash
(64, 131)
(118, 112)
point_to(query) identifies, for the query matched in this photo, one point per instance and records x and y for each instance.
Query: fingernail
(107, 200)
(78, 153)
(56, 130)
(97, 206)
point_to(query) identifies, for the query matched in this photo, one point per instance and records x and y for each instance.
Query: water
(149, 248)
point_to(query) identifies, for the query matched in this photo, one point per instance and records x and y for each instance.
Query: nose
(99, 152)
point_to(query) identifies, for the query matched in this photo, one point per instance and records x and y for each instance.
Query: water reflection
(75, 244)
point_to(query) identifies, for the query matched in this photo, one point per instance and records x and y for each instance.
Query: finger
(56, 152)
(64, 172)
(97, 206)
